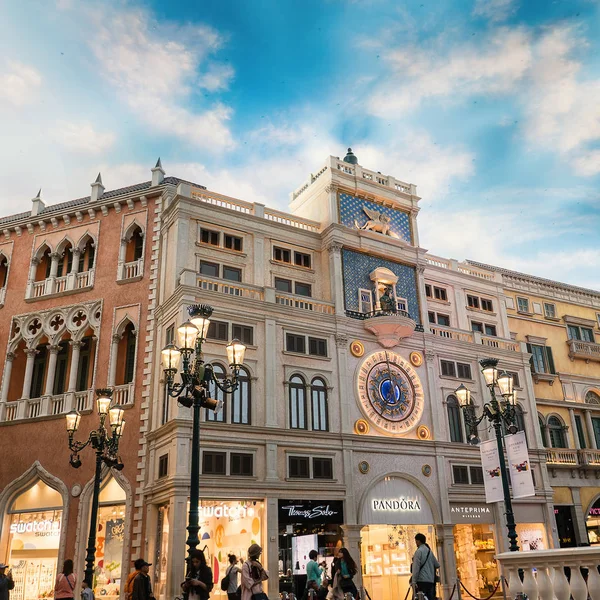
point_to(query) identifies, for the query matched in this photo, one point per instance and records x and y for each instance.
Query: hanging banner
(492, 479)
(519, 466)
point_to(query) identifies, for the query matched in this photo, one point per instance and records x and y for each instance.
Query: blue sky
(492, 108)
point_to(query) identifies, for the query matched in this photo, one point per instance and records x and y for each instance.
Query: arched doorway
(34, 535)
(593, 523)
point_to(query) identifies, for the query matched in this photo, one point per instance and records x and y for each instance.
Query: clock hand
(392, 396)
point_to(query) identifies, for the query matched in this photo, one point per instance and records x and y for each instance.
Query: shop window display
(35, 521)
(161, 559)
(532, 536)
(386, 556)
(593, 524)
(475, 548)
(229, 528)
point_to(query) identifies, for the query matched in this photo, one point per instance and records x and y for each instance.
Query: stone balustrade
(462, 267)
(584, 350)
(60, 285)
(544, 575)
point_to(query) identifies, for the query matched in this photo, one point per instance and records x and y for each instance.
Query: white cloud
(587, 164)
(82, 137)
(154, 67)
(494, 10)
(19, 84)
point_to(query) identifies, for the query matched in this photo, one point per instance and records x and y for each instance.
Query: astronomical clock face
(390, 393)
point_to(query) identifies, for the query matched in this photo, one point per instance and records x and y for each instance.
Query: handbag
(347, 585)
(225, 581)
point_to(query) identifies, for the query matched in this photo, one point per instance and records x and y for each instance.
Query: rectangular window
(213, 463)
(365, 301)
(448, 368)
(472, 301)
(299, 467)
(241, 465)
(295, 343)
(460, 474)
(573, 332)
(443, 320)
(463, 370)
(522, 304)
(322, 468)
(487, 305)
(232, 274)
(209, 237)
(209, 269)
(130, 358)
(163, 465)
(515, 377)
(218, 330)
(170, 334)
(431, 317)
(303, 289)
(302, 260)
(282, 254)
(317, 346)
(541, 360)
(233, 242)
(244, 333)
(283, 285)
(580, 433)
(587, 335)
(476, 326)
(549, 310)
(440, 294)
(402, 304)
(490, 330)
(428, 290)
(476, 475)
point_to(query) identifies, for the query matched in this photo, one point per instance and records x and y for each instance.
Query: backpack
(129, 585)
(225, 581)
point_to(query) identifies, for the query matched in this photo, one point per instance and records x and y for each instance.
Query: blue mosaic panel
(351, 211)
(357, 268)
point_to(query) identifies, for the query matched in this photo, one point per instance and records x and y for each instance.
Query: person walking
(232, 572)
(424, 566)
(199, 579)
(6, 582)
(343, 571)
(87, 593)
(314, 570)
(253, 574)
(64, 588)
(142, 586)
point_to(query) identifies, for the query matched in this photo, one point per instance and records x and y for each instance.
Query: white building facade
(318, 448)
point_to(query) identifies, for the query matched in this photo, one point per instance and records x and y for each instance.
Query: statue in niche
(386, 301)
(377, 222)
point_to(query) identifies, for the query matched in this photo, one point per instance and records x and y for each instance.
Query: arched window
(241, 399)
(65, 261)
(3, 270)
(592, 398)
(519, 418)
(556, 431)
(135, 245)
(217, 394)
(543, 428)
(297, 393)
(454, 420)
(43, 268)
(87, 256)
(319, 409)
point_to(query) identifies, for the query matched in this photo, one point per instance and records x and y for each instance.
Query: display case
(475, 548)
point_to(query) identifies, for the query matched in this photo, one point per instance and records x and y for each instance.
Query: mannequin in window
(386, 301)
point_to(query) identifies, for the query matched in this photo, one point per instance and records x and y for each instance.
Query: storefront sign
(39, 528)
(595, 509)
(233, 511)
(311, 511)
(519, 466)
(492, 479)
(469, 513)
(396, 501)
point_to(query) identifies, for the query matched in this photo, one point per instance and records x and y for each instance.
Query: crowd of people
(246, 583)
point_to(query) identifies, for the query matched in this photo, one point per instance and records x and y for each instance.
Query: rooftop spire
(158, 173)
(97, 189)
(37, 205)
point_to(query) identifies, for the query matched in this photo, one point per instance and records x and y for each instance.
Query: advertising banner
(519, 466)
(492, 478)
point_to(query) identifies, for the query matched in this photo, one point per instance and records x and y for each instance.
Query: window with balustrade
(557, 432)
(131, 254)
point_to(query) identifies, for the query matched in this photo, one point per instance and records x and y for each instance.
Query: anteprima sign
(396, 504)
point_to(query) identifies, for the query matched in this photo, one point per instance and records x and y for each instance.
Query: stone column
(114, 351)
(272, 548)
(75, 263)
(270, 373)
(446, 557)
(176, 544)
(51, 372)
(590, 429)
(31, 354)
(32, 272)
(420, 273)
(10, 356)
(579, 516)
(352, 544)
(336, 277)
(437, 416)
(121, 263)
(75, 351)
(55, 257)
(341, 343)
(574, 429)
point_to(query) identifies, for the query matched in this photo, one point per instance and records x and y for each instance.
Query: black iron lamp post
(496, 412)
(194, 390)
(105, 442)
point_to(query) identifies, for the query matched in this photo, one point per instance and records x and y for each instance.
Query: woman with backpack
(253, 574)
(64, 588)
(229, 583)
(423, 568)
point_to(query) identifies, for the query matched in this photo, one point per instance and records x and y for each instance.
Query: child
(87, 593)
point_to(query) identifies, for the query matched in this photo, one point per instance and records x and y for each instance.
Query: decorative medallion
(363, 467)
(390, 393)
(426, 470)
(76, 490)
(357, 348)
(416, 358)
(361, 427)
(423, 432)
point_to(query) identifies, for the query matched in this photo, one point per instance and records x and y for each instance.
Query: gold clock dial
(390, 393)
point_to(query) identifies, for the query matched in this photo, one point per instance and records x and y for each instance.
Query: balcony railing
(353, 314)
(585, 350)
(123, 394)
(228, 287)
(131, 270)
(38, 289)
(304, 303)
(452, 334)
(60, 285)
(494, 342)
(589, 457)
(562, 456)
(544, 573)
(52, 406)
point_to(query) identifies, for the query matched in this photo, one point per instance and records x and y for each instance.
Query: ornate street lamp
(496, 412)
(194, 389)
(105, 442)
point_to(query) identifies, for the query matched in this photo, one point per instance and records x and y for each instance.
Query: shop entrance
(35, 521)
(565, 526)
(593, 524)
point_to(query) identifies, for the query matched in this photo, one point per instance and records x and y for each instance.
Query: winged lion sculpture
(378, 222)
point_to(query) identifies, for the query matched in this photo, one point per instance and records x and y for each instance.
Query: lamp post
(496, 412)
(105, 442)
(194, 389)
